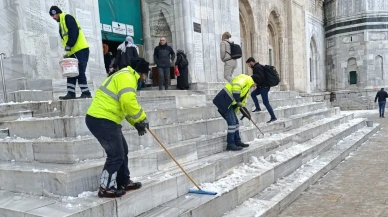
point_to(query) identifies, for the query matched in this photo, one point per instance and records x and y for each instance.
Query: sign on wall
(106, 28)
(84, 18)
(197, 27)
(119, 28)
(130, 30)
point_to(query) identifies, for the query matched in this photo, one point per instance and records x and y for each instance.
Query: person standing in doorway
(262, 88)
(230, 64)
(76, 46)
(182, 63)
(107, 57)
(164, 55)
(382, 96)
(125, 53)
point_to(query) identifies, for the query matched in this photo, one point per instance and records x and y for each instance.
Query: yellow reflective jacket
(116, 98)
(81, 42)
(235, 91)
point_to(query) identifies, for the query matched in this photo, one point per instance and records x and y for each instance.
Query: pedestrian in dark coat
(125, 53)
(382, 97)
(164, 55)
(107, 57)
(182, 63)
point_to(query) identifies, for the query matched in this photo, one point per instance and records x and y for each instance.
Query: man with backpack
(267, 78)
(229, 53)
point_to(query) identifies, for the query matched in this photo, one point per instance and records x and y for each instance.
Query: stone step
(29, 95)
(84, 176)
(58, 127)
(249, 179)
(73, 151)
(273, 95)
(275, 198)
(158, 188)
(16, 115)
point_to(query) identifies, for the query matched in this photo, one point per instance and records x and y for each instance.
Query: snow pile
(361, 113)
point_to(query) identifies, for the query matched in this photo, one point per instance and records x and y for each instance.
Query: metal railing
(2, 57)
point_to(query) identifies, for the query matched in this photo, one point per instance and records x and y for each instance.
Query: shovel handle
(243, 111)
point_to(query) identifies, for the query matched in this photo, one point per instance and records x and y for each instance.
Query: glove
(65, 56)
(141, 127)
(67, 48)
(244, 111)
(239, 104)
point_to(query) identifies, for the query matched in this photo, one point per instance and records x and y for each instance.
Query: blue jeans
(233, 135)
(264, 95)
(83, 58)
(163, 74)
(382, 107)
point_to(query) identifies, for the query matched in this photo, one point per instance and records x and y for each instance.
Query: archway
(274, 36)
(379, 70)
(313, 66)
(247, 28)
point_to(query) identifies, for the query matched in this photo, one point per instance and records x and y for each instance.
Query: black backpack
(183, 63)
(235, 50)
(271, 76)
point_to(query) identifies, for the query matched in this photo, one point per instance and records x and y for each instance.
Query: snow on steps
(84, 176)
(276, 197)
(249, 179)
(166, 185)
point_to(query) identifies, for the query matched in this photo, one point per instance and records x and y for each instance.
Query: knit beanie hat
(54, 10)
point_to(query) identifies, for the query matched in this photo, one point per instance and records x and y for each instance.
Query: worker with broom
(115, 101)
(229, 101)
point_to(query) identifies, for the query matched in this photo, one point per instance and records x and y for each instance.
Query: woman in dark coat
(182, 63)
(125, 53)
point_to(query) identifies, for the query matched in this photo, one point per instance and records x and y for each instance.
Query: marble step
(58, 127)
(16, 115)
(84, 176)
(29, 95)
(272, 200)
(76, 150)
(248, 180)
(158, 188)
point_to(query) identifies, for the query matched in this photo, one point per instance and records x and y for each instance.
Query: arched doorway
(274, 36)
(247, 29)
(353, 74)
(313, 66)
(379, 70)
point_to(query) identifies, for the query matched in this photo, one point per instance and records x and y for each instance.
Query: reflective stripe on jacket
(116, 98)
(81, 42)
(235, 91)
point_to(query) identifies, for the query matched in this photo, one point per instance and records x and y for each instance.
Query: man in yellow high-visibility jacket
(115, 101)
(229, 101)
(76, 46)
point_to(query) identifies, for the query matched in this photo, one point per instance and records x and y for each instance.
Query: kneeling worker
(229, 101)
(115, 101)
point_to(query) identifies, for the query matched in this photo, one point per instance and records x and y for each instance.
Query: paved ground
(356, 187)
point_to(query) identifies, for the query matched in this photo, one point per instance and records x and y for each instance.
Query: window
(353, 77)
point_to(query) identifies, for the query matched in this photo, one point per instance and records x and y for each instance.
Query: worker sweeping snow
(229, 101)
(115, 101)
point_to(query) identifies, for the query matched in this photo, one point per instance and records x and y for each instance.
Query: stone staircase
(50, 165)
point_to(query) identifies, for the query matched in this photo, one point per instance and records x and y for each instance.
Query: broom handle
(252, 121)
(164, 147)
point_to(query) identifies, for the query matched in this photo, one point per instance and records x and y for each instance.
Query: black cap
(250, 59)
(256, 78)
(54, 10)
(140, 65)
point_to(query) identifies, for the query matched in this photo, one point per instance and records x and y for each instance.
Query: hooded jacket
(125, 53)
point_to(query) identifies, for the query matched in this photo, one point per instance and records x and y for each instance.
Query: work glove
(67, 48)
(244, 111)
(142, 126)
(239, 104)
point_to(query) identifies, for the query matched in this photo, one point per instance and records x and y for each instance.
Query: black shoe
(272, 120)
(67, 97)
(131, 186)
(85, 96)
(241, 144)
(257, 110)
(233, 147)
(383, 116)
(110, 193)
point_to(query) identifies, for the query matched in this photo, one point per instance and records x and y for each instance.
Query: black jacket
(73, 30)
(259, 70)
(107, 60)
(162, 55)
(123, 59)
(381, 95)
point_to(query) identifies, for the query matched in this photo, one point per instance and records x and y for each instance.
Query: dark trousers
(233, 135)
(382, 108)
(83, 58)
(163, 74)
(264, 95)
(110, 136)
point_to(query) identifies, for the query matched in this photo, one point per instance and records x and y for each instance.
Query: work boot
(272, 120)
(110, 193)
(233, 147)
(257, 110)
(131, 186)
(241, 144)
(85, 96)
(67, 97)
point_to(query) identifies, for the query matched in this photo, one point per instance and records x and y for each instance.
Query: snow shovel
(243, 111)
(199, 191)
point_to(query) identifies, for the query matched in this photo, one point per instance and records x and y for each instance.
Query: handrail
(3, 56)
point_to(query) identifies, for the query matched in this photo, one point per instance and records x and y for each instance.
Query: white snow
(361, 113)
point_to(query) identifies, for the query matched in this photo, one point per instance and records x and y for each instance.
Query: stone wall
(30, 38)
